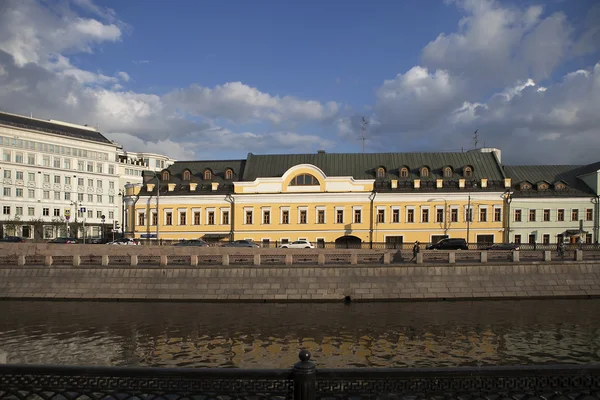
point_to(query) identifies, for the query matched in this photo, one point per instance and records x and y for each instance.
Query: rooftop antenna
(475, 138)
(364, 126)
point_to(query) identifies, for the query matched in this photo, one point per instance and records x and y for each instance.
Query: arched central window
(165, 176)
(447, 172)
(424, 172)
(468, 171)
(304, 180)
(186, 175)
(228, 174)
(380, 172)
(207, 175)
(404, 172)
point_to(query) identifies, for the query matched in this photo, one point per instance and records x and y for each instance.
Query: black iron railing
(303, 382)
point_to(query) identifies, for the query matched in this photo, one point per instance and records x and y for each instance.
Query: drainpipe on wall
(229, 198)
(371, 197)
(596, 218)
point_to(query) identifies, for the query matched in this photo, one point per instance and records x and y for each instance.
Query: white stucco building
(57, 176)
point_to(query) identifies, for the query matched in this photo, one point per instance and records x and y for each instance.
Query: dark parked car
(502, 246)
(449, 244)
(124, 241)
(193, 242)
(12, 239)
(241, 243)
(64, 240)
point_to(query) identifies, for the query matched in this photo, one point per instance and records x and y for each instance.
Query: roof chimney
(320, 151)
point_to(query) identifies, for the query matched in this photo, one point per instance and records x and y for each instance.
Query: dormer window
(304, 180)
(424, 172)
(380, 172)
(186, 175)
(560, 186)
(542, 186)
(165, 176)
(207, 175)
(468, 172)
(525, 186)
(404, 172)
(228, 174)
(447, 172)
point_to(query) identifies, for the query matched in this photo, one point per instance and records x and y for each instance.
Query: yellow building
(322, 197)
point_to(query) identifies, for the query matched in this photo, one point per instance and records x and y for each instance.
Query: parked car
(124, 242)
(502, 246)
(298, 244)
(192, 242)
(241, 243)
(97, 241)
(63, 240)
(12, 239)
(449, 244)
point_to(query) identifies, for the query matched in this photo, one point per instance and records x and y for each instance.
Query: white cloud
(124, 76)
(241, 103)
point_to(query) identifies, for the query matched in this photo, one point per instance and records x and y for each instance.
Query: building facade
(342, 198)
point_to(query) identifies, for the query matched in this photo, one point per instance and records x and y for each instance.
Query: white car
(124, 241)
(298, 244)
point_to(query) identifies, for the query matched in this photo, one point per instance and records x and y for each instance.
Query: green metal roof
(550, 174)
(364, 165)
(197, 168)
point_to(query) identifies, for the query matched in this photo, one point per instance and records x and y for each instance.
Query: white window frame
(246, 209)
(343, 210)
(407, 209)
(465, 213)
(262, 215)
(392, 214)
(487, 213)
(281, 210)
(317, 209)
(362, 219)
(179, 211)
(165, 211)
(421, 209)
(300, 209)
(380, 208)
(222, 212)
(208, 210)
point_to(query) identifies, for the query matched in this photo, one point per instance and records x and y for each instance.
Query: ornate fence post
(305, 377)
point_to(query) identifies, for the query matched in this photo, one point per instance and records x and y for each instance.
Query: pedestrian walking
(560, 247)
(416, 250)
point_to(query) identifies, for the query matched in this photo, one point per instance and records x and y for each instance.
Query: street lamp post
(469, 213)
(445, 216)
(157, 205)
(229, 198)
(508, 198)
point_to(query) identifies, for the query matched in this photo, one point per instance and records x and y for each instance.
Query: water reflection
(270, 335)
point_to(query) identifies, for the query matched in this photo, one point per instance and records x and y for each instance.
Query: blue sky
(219, 79)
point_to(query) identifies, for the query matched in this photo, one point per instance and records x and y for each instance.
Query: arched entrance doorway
(348, 242)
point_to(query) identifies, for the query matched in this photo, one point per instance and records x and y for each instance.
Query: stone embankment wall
(295, 282)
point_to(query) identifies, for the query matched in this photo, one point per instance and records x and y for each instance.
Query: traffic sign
(67, 217)
(67, 212)
(82, 209)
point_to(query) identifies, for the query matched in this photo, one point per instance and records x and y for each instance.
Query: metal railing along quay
(302, 382)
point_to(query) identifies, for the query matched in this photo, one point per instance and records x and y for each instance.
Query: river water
(254, 335)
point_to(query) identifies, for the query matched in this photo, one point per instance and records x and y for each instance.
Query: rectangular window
(67, 163)
(469, 215)
(67, 180)
(182, 217)
(67, 195)
(31, 159)
(46, 212)
(19, 192)
(439, 215)
(531, 239)
(19, 175)
(339, 216)
(46, 194)
(57, 212)
(80, 167)
(31, 193)
(90, 214)
(380, 216)
(56, 195)
(6, 192)
(517, 239)
(266, 217)
(196, 218)
(249, 217)
(90, 167)
(225, 217)
(497, 215)
(7, 174)
(46, 178)
(154, 219)
(111, 169)
(483, 215)
(320, 216)
(303, 216)
(111, 185)
(79, 196)
(57, 179)
(575, 215)
(141, 219)
(98, 214)
(56, 162)
(31, 211)
(518, 215)
(6, 210)
(546, 215)
(99, 198)
(6, 156)
(99, 168)
(18, 210)
(99, 184)
(169, 218)
(31, 176)
(357, 216)
(90, 182)
(285, 217)
(19, 158)
(46, 161)
(531, 215)
(560, 216)
(395, 215)
(546, 239)
(589, 214)
(80, 181)
(211, 218)
(410, 215)
(425, 215)
(111, 199)
(111, 215)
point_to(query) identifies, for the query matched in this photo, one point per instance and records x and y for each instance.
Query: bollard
(134, 260)
(21, 260)
(353, 258)
(547, 255)
(104, 260)
(387, 258)
(225, 259)
(419, 258)
(194, 260)
(288, 259)
(483, 257)
(451, 257)
(76, 260)
(321, 259)
(257, 259)
(305, 377)
(515, 255)
(578, 255)
(48, 261)
(163, 260)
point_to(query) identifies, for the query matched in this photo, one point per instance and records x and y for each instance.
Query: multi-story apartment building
(343, 198)
(55, 177)
(549, 203)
